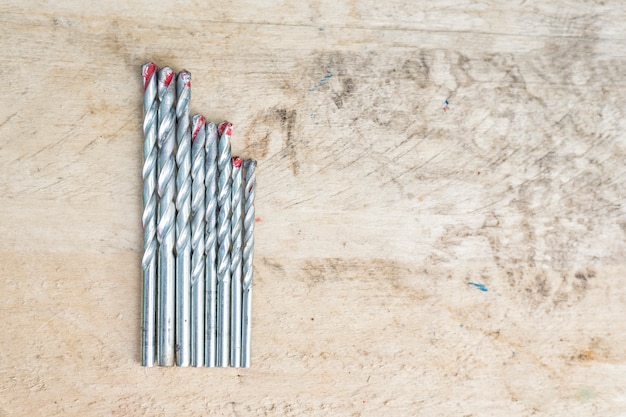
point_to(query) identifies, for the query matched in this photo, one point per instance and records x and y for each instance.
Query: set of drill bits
(198, 222)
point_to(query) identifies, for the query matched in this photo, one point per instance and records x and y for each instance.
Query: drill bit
(224, 168)
(183, 217)
(235, 263)
(148, 219)
(166, 188)
(248, 251)
(211, 244)
(198, 137)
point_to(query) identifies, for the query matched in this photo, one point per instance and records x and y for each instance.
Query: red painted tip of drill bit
(237, 161)
(196, 129)
(169, 74)
(225, 126)
(185, 76)
(148, 71)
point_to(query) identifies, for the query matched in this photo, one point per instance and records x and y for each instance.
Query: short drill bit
(183, 217)
(224, 168)
(166, 188)
(198, 137)
(211, 244)
(149, 217)
(248, 251)
(235, 263)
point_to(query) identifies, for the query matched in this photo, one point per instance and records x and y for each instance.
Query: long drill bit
(248, 251)
(224, 167)
(235, 263)
(211, 244)
(149, 217)
(166, 188)
(183, 217)
(198, 139)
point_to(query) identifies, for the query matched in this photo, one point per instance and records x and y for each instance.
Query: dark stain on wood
(287, 119)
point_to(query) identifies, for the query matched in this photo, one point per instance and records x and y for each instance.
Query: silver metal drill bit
(248, 251)
(183, 218)
(198, 139)
(149, 217)
(211, 244)
(166, 187)
(235, 262)
(224, 168)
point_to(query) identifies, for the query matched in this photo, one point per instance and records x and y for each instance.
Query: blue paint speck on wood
(481, 287)
(329, 74)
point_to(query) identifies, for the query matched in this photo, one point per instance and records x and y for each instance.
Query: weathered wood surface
(376, 205)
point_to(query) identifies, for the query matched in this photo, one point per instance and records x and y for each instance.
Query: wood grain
(377, 207)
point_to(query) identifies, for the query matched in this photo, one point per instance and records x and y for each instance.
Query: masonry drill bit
(183, 217)
(166, 187)
(211, 244)
(149, 217)
(224, 168)
(248, 251)
(235, 263)
(198, 139)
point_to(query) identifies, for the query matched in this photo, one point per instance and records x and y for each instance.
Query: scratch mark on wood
(8, 119)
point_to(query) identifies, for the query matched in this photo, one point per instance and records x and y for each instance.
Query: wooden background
(377, 206)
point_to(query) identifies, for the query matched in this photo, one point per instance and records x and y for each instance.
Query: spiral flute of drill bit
(198, 138)
(224, 167)
(235, 263)
(166, 187)
(211, 244)
(183, 217)
(149, 217)
(248, 251)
